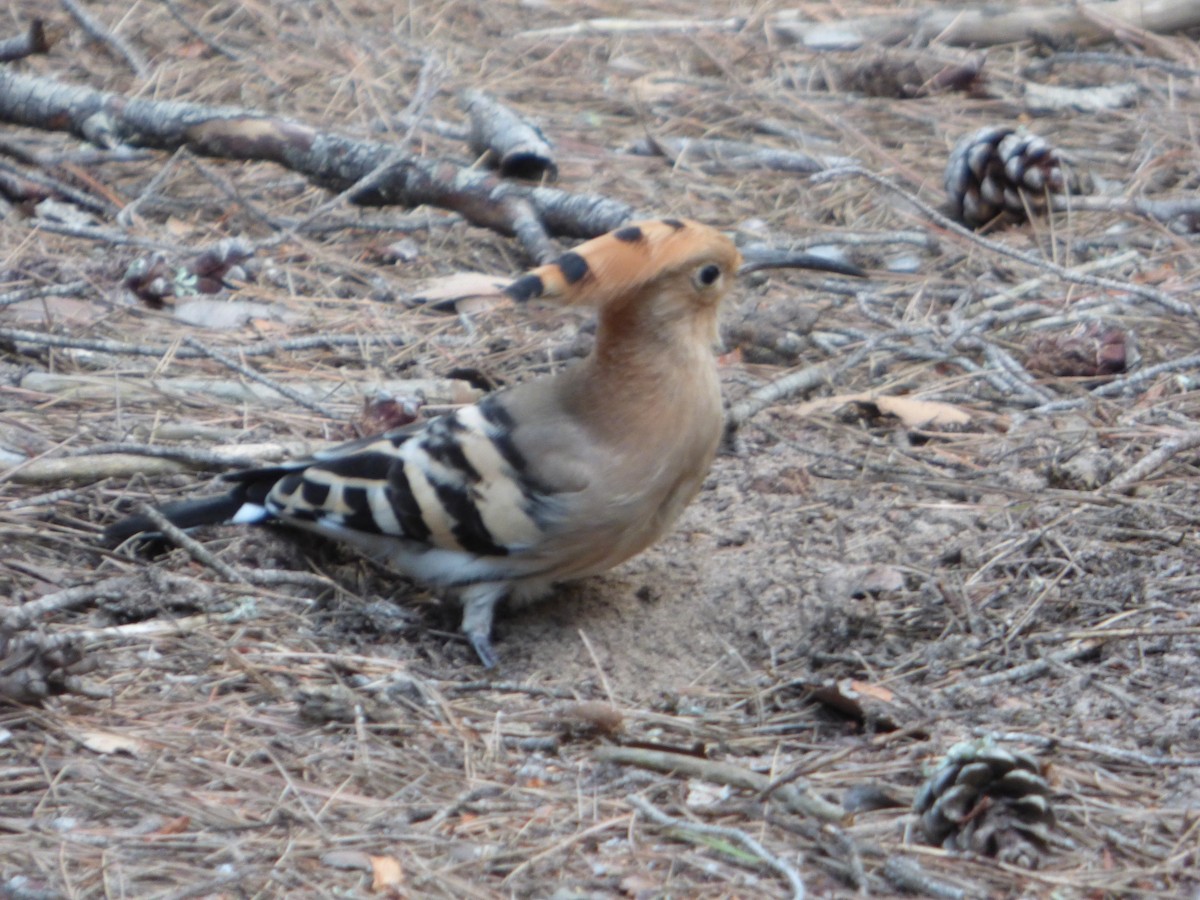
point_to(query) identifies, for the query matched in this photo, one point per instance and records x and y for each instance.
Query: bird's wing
(460, 483)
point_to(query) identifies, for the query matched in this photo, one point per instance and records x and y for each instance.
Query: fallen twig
(984, 26)
(1151, 760)
(435, 391)
(908, 875)
(32, 42)
(512, 145)
(262, 349)
(603, 25)
(26, 614)
(89, 468)
(1167, 302)
(99, 32)
(331, 161)
(1025, 671)
(733, 834)
(794, 796)
(1154, 460)
(281, 389)
(193, 547)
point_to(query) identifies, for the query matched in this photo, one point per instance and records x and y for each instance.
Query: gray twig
(1155, 459)
(785, 869)
(100, 33)
(265, 349)
(282, 389)
(1152, 760)
(193, 547)
(1167, 302)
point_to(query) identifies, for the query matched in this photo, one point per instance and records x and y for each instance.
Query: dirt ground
(852, 595)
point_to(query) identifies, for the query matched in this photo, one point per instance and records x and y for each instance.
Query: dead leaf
(178, 825)
(446, 292)
(590, 717)
(388, 874)
(911, 412)
(108, 742)
(873, 690)
(923, 413)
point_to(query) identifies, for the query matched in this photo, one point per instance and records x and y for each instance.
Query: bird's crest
(624, 261)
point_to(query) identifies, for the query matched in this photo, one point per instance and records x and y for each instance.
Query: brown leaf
(911, 412)
(177, 825)
(108, 742)
(388, 875)
(447, 292)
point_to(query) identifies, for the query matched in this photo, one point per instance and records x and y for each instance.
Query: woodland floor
(848, 598)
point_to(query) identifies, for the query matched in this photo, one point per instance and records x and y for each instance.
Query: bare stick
(193, 547)
(30, 43)
(70, 289)
(1155, 459)
(636, 26)
(731, 834)
(22, 616)
(793, 796)
(331, 161)
(1153, 761)
(1025, 671)
(984, 26)
(908, 875)
(192, 455)
(283, 389)
(98, 32)
(264, 349)
(88, 469)
(517, 148)
(1165, 209)
(1167, 302)
(714, 156)
(1114, 59)
(801, 382)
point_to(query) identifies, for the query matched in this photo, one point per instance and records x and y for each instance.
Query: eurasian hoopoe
(554, 479)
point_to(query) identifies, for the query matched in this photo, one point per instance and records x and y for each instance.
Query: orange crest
(625, 261)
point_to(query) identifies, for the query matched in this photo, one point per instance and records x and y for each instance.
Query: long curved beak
(758, 257)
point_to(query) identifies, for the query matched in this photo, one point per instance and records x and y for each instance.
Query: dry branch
(100, 33)
(436, 391)
(334, 162)
(32, 41)
(92, 468)
(796, 798)
(985, 27)
(514, 146)
(1155, 460)
(735, 834)
(713, 155)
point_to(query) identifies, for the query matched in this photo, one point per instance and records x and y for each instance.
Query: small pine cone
(32, 669)
(1000, 170)
(987, 800)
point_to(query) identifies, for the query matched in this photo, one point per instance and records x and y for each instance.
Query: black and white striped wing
(457, 485)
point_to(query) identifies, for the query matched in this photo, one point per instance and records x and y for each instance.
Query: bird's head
(653, 277)
(671, 262)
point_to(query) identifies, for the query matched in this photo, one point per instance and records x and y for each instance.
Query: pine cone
(1000, 170)
(32, 669)
(987, 800)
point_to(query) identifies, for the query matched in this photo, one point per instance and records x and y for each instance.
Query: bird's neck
(656, 378)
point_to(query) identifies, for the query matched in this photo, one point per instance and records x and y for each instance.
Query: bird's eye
(706, 276)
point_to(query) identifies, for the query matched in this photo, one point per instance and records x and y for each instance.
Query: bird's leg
(479, 605)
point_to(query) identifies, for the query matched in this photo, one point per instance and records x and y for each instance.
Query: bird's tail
(244, 505)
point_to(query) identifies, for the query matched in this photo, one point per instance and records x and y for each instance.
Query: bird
(550, 480)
